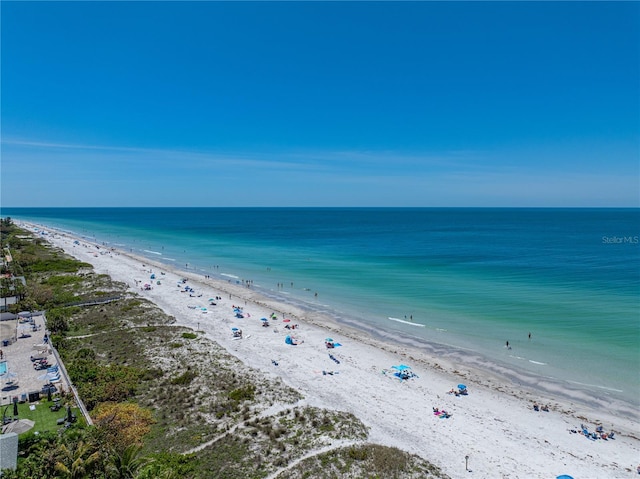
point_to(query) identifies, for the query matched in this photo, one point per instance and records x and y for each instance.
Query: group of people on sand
(459, 392)
(442, 414)
(597, 434)
(544, 407)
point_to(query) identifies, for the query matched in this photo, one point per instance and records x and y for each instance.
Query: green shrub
(246, 393)
(62, 280)
(184, 379)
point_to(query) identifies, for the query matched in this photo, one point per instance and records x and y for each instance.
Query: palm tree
(127, 464)
(5, 289)
(78, 463)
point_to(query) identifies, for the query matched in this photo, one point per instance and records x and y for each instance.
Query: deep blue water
(474, 278)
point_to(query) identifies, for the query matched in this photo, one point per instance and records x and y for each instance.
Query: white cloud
(94, 175)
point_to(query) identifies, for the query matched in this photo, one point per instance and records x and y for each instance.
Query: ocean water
(458, 282)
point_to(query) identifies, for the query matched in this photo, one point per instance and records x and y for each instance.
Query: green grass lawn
(44, 418)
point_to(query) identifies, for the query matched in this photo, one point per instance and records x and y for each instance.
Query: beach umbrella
(564, 476)
(234, 329)
(329, 340)
(462, 386)
(20, 426)
(264, 319)
(211, 299)
(203, 309)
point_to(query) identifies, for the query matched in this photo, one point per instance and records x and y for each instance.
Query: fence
(70, 386)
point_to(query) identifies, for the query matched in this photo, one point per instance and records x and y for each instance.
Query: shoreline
(536, 384)
(492, 408)
(562, 361)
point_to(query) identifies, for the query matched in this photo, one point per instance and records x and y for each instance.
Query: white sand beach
(494, 425)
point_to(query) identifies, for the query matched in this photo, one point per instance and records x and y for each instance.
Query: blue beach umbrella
(234, 329)
(462, 386)
(264, 319)
(564, 476)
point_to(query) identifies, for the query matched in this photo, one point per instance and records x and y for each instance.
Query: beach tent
(403, 372)
(401, 367)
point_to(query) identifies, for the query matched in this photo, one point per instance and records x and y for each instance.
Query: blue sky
(320, 104)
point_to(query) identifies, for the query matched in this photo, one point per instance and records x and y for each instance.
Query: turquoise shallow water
(472, 278)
